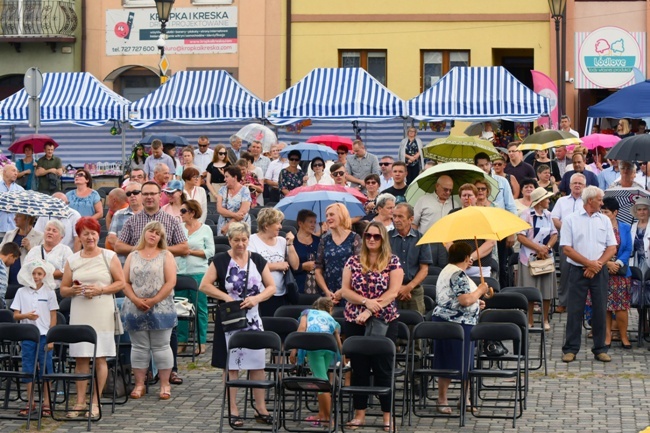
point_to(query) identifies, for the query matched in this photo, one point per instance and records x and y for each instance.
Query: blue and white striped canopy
(197, 97)
(335, 94)
(68, 97)
(478, 94)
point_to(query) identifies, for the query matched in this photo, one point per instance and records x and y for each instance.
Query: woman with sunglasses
(371, 281)
(318, 175)
(214, 178)
(371, 183)
(194, 265)
(193, 191)
(291, 177)
(84, 199)
(483, 189)
(499, 165)
(174, 192)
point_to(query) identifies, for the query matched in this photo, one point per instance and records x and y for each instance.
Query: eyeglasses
(196, 177)
(184, 211)
(481, 188)
(447, 190)
(134, 192)
(385, 163)
(338, 173)
(371, 182)
(149, 194)
(80, 175)
(294, 159)
(372, 236)
(222, 153)
(318, 164)
(497, 164)
(204, 145)
(342, 153)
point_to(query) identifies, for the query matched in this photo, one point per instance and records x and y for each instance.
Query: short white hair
(575, 176)
(591, 192)
(384, 198)
(56, 224)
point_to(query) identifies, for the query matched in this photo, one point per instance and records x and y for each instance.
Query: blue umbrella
(317, 202)
(167, 139)
(309, 151)
(33, 203)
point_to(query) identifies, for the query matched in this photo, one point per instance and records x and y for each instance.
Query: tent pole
(123, 146)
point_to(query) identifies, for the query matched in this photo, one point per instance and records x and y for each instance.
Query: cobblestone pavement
(584, 396)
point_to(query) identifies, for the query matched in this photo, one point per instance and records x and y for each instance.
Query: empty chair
(290, 311)
(307, 299)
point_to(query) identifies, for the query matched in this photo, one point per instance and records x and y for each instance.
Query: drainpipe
(287, 66)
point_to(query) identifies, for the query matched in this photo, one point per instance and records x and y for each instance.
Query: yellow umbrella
(458, 148)
(475, 222)
(548, 139)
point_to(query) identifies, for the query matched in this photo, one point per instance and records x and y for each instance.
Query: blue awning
(197, 97)
(629, 102)
(335, 94)
(479, 94)
(70, 97)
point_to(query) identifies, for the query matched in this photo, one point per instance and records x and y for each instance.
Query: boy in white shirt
(35, 303)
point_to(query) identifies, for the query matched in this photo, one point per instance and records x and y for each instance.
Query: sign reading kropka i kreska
(209, 30)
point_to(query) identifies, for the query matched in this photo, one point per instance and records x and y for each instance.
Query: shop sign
(607, 57)
(205, 30)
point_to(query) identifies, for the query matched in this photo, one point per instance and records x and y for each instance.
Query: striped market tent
(335, 94)
(67, 98)
(479, 94)
(197, 97)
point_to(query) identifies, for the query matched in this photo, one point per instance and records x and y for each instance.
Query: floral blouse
(453, 282)
(331, 258)
(371, 285)
(290, 180)
(411, 149)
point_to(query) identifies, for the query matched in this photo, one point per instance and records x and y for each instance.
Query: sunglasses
(130, 193)
(294, 159)
(372, 236)
(203, 145)
(497, 164)
(318, 164)
(80, 175)
(222, 153)
(184, 211)
(371, 182)
(385, 164)
(481, 188)
(342, 153)
(338, 173)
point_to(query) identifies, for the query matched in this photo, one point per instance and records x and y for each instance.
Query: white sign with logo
(607, 58)
(205, 30)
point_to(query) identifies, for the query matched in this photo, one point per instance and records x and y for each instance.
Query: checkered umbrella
(33, 203)
(626, 197)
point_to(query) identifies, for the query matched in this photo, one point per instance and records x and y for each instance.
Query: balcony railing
(37, 18)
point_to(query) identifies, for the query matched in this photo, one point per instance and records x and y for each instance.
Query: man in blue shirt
(579, 166)
(9, 175)
(157, 156)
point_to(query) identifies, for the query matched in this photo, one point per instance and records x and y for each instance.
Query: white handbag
(184, 307)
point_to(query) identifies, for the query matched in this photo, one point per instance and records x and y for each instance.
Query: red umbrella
(333, 141)
(355, 192)
(38, 141)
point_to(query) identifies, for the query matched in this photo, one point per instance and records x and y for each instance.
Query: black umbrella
(634, 148)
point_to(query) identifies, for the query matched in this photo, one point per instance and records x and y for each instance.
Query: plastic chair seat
(302, 383)
(379, 390)
(247, 383)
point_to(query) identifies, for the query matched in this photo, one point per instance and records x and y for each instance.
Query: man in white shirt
(204, 155)
(386, 176)
(564, 207)
(70, 238)
(431, 207)
(272, 174)
(9, 175)
(565, 125)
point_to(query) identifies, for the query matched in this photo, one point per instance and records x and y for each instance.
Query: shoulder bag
(541, 267)
(376, 327)
(232, 316)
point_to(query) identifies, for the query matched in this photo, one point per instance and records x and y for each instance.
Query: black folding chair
(504, 332)
(11, 335)
(304, 384)
(292, 311)
(191, 319)
(66, 335)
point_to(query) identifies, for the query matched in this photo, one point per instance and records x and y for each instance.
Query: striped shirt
(134, 226)
(4, 279)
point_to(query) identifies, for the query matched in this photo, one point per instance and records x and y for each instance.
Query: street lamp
(557, 13)
(164, 8)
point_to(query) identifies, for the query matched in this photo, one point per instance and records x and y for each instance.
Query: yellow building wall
(321, 28)
(259, 56)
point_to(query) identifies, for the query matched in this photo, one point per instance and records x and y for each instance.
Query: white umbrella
(257, 132)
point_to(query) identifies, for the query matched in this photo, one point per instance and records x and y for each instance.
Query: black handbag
(291, 287)
(232, 316)
(376, 327)
(495, 348)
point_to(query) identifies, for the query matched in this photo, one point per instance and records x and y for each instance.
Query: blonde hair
(625, 125)
(385, 251)
(159, 229)
(237, 228)
(343, 214)
(268, 216)
(324, 303)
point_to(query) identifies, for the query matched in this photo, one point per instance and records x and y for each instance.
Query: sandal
(236, 421)
(138, 392)
(182, 347)
(76, 411)
(445, 410)
(165, 392)
(95, 412)
(27, 411)
(46, 411)
(175, 379)
(354, 424)
(387, 427)
(263, 419)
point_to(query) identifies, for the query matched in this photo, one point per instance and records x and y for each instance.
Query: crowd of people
(162, 223)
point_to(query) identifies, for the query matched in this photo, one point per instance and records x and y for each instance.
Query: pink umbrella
(599, 140)
(38, 142)
(354, 192)
(333, 141)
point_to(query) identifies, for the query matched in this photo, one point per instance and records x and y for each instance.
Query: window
(373, 61)
(435, 64)
(138, 3)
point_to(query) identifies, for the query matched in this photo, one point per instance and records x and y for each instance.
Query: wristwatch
(364, 301)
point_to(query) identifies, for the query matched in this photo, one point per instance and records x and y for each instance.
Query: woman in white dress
(91, 278)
